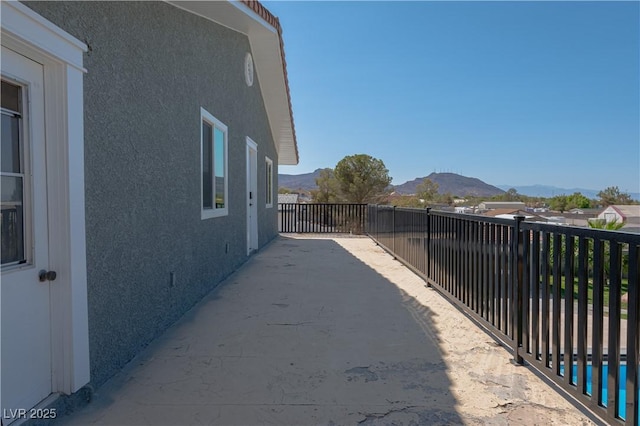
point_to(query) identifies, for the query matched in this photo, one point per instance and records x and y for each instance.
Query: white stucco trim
(252, 144)
(61, 55)
(268, 182)
(252, 203)
(205, 116)
(38, 33)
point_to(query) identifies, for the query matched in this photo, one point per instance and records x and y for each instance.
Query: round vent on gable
(248, 69)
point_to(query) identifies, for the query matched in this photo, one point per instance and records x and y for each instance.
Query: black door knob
(47, 275)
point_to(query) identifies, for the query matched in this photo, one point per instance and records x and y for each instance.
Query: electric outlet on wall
(172, 279)
(226, 248)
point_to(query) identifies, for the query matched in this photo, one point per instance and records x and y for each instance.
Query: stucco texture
(150, 68)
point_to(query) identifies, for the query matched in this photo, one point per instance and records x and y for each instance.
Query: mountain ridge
(447, 183)
(452, 183)
(305, 181)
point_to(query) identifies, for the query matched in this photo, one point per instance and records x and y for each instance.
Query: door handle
(47, 275)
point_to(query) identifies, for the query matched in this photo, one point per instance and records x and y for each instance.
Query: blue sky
(514, 93)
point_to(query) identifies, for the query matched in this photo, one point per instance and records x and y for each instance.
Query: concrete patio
(328, 331)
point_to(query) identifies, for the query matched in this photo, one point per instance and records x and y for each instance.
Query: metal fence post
(393, 228)
(517, 265)
(377, 225)
(428, 247)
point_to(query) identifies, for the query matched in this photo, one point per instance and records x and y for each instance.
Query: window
(269, 181)
(13, 177)
(213, 140)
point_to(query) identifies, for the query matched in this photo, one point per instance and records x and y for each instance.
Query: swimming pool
(622, 408)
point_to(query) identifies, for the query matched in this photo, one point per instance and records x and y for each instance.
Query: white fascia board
(268, 62)
(269, 69)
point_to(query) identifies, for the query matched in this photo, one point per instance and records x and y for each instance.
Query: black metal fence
(322, 218)
(565, 299)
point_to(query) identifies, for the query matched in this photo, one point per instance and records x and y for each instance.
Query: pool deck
(329, 331)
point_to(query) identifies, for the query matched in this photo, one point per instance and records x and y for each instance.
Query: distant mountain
(551, 191)
(447, 183)
(305, 181)
(452, 183)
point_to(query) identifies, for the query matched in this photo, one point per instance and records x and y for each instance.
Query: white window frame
(269, 182)
(25, 152)
(205, 116)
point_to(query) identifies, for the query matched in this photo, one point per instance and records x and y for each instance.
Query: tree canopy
(362, 178)
(328, 190)
(612, 195)
(563, 202)
(427, 190)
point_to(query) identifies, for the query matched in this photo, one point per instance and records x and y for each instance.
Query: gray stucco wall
(150, 68)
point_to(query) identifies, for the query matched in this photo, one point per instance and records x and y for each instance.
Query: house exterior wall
(611, 215)
(486, 205)
(150, 257)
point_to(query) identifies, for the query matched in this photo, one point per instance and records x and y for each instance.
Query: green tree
(427, 190)
(446, 199)
(612, 195)
(563, 202)
(362, 178)
(558, 203)
(511, 195)
(283, 190)
(578, 201)
(328, 187)
(406, 201)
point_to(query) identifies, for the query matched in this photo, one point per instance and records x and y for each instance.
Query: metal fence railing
(565, 299)
(322, 218)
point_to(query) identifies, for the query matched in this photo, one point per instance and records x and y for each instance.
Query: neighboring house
(588, 212)
(490, 205)
(140, 145)
(573, 219)
(465, 210)
(627, 214)
(511, 213)
(442, 207)
(287, 198)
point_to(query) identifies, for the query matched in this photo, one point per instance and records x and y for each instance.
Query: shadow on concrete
(304, 333)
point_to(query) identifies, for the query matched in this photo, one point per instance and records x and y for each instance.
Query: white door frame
(252, 196)
(61, 55)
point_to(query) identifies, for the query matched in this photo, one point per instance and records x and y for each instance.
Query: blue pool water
(622, 408)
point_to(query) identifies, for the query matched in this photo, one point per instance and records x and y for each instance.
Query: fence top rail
(461, 216)
(475, 218)
(575, 231)
(619, 236)
(323, 204)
